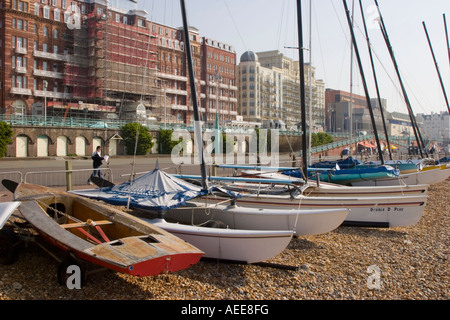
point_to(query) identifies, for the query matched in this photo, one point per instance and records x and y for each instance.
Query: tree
(6, 134)
(165, 143)
(129, 132)
(320, 138)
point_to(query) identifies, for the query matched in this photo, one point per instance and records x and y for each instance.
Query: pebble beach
(348, 263)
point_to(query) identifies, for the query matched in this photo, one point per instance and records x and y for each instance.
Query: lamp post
(45, 101)
(217, 80)
(165, 105)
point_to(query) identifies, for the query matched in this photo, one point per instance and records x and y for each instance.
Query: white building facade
(269, 87)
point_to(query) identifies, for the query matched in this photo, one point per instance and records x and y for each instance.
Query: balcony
(52, 94)
(21, 91)
(176, 91)
(22, 70)
(179, 107)
(171, 76)
(21, 50)
(50, 56)
(47, 74)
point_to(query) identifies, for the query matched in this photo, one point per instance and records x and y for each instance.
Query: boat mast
(350, 105)
(436, 65)
(375, 131)
(446, 37)
(375, 79)
(408, 104)
(302, 89)
(310, 80)
(198, 125)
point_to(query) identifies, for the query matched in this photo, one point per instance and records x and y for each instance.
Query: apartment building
(106, 59)
(435, 126)
(269, 84)
(218, 79)
(63, 57)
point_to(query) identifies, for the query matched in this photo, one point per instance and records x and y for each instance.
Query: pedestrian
(97, 161)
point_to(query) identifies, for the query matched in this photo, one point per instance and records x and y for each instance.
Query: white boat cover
(156, 190)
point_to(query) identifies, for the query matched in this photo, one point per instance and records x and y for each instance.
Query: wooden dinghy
(102, 235)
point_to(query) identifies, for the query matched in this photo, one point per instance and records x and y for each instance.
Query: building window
(47, 12)
(45, 32)
(56, 15)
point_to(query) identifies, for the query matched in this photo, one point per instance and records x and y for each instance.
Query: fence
(68, 179)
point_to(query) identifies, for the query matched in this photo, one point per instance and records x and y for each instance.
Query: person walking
(97, 161)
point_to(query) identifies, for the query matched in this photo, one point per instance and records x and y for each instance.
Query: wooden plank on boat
(85, 224)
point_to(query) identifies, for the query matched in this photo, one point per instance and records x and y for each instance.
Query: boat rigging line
(414, 125)
(376, 81)
(198, 125)
(369, 104)
(436, 65)
(302, 90)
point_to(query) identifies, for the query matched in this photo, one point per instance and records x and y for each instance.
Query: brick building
(91, 59)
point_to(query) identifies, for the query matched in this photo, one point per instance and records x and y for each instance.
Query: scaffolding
(112, 64)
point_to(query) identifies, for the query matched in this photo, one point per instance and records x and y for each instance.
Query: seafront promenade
(348, 263)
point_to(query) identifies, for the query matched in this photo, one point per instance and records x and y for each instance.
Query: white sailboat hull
(399, 211)
(249, 246)
(6, 210)
(335, 190)
(301, 222)
(313, 188)
(421, 177)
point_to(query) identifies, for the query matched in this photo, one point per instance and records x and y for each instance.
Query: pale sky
(262, 25)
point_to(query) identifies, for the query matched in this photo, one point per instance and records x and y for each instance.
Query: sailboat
(91, 233)
(367, 211)
(217, 242)
(273, 180)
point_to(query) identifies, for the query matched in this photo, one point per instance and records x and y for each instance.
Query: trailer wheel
(8, 246)
(77, 275)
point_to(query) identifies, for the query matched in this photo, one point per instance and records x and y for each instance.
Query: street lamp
(217, 79)
(45, 101)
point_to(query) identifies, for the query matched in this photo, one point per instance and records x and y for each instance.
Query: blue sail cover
(155, 190)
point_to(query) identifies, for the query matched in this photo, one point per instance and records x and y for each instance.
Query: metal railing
(65, 178)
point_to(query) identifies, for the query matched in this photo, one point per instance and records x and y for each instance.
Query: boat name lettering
(398, 209)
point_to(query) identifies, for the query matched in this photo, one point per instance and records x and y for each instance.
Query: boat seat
(85, 224)
(90, 223)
